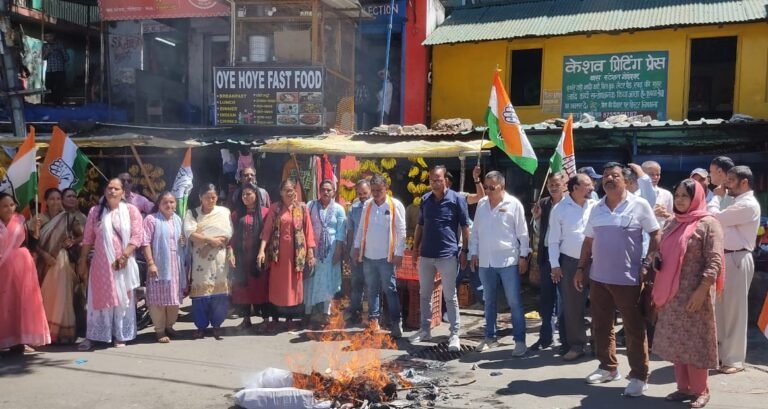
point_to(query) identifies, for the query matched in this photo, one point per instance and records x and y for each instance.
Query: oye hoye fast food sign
(269, 96)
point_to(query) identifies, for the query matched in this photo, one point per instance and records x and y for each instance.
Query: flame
(352, 359)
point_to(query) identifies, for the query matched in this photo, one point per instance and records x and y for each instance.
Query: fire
(355, 368)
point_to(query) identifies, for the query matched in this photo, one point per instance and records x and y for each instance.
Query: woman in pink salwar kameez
(114, 231)
(22, 316)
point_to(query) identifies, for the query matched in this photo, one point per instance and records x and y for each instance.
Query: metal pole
(11, 72)
(103, 59)
(87, 52)
(42, 57)
(386, 60)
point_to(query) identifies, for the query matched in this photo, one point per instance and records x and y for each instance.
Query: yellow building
(670, 60)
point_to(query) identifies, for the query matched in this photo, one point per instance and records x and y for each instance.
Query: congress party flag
(182, 185)
(505, 130)
(564, 159)
(21, 178)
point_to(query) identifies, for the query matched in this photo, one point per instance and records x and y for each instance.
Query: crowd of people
(675, 266)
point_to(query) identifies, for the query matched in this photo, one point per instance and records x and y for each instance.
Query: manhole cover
(440, 352)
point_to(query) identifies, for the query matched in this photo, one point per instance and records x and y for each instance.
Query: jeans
(449, 269)
(358, 285)
(550, 303)
(380, 276)
(474, 282)
(510, 281)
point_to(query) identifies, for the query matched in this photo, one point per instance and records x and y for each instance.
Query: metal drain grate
(440, 352)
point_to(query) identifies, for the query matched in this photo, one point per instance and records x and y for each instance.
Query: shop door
(216, 55)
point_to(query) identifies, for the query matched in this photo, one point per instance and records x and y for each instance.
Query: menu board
(269, 96)
(604, 85)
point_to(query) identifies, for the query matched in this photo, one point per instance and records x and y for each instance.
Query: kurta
(251, 284)
(326, 281)
(209, 265)
(22, 317)
(691, 338)
(286, 283)
(164, 292)
(106, 318)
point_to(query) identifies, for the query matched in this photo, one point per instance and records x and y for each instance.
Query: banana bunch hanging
(419, 176)
(155, 176)
(90, 196)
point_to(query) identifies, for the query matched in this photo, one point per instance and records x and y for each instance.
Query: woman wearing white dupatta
(114, 230)
(208, 228)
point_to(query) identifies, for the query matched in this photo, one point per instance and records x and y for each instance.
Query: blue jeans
(510, 281)
(380, 276)
(358, 285)
(474, 282)
(550, 304)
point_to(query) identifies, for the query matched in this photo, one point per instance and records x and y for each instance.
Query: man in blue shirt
(363, 189)
(436, 247)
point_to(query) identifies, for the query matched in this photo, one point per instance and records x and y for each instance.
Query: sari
(22, 316)
(58, 287)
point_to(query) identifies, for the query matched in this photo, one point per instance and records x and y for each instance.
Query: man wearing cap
(740, 221)
(664, 204)
(701, 176)
(590, 171)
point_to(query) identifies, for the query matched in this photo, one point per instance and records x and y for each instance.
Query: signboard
(119, 10)
(269, 96)
(380, 10)
(604, 85)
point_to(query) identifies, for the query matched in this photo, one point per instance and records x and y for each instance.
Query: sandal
(85, 345)
(730, 370)
(701, 400)
(118, 344)
(199, 334)
(679, 396)
(217, 334)
(28, 349)
(164, 339)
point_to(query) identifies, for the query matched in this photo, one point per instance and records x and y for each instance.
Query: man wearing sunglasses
(499, 249)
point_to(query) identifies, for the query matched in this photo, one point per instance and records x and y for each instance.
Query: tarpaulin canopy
(391, 147)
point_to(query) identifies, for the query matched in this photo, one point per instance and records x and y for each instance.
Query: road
(206, 373)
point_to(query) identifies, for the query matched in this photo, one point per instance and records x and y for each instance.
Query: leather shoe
(538, 345)
(678, 396)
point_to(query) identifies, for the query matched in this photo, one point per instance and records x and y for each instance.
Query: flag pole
(97, 169)
(37, 201)
(543, 185)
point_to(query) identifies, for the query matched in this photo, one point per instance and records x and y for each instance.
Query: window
(713, 73)
(525, 82)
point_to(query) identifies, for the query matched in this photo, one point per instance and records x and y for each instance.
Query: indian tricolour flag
(21, 177)
(505, 129)
(64, 166)
(564, 159)
(762, 320)
(183, 184)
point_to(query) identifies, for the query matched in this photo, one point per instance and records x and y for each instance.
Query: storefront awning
(110, 142)
(374, 146)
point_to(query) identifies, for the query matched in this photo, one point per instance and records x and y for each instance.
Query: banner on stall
(121, 10)
(269, 96)
(605, 85)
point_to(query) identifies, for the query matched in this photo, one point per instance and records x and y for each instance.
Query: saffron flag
(182, 185)
(21, 178)
(762, 320)
(64, 166)
(564, 159)
(505, 129)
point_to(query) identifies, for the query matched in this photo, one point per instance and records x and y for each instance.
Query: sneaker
(396, 331)
(602, 376)
(538, 345)
(636, 387)
(420, 336)
(520, 349)
(453, 343)
(487, 344)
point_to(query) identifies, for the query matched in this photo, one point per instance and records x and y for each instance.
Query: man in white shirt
(566, 235)
(499, 248)
(701, 176)
(740, 222)
(379, 245)
(664, 205)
